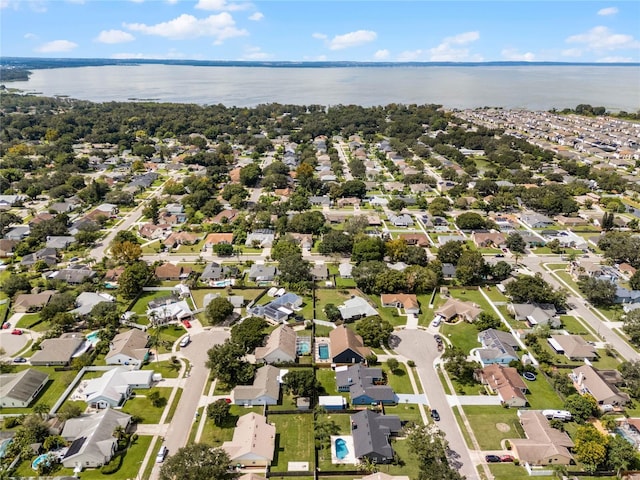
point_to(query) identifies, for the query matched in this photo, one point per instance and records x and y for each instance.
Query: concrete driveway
(419, 346)
(180, 427)
(12, 344)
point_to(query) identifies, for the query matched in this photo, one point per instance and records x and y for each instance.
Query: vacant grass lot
(214, 435)
(325, 296)
(542, 395)
(484, 421)
(294, 440)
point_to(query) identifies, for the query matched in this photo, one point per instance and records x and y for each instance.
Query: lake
(532, 87)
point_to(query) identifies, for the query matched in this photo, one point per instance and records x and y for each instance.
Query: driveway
(180, 427)
(419, 346)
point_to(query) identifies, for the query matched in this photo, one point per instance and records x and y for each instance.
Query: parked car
(20, 360)
(492, 458)
(162, 453)
(499, 255)
(6, 325)
(186, 323)
(16, 331)
(436, 321)
(185, 341)
(435, 415)
(507, 458)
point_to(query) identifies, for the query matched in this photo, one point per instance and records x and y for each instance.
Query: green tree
(301, 383)
(69, 410)
(430, 448)
(470, 221)
(332, 312)
(16, 283)
(501, 270)
(285, 247)
(152, 211)
(294, 271)
(226, 364)
(198, 461)
(133, 278)
(528, 289)
(516, 243)
(218, 310)
(590, 447)
(396, 204)
(367, 248)
(366, 273)
(307, 222)
(630, 371)
(335, 241)
(634, 281)
(450, 252)
(323, 430)
(218, 411)
(485, 321)
(621, 455)
(456, 364)
(470, 268)
(374, 331)
(250, 174)
(439, 206)
(249, 333)
(127, 252)
(599, 292)
(582, 407)
(223, 249)
(393, 364)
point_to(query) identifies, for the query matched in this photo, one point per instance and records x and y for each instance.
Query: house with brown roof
(6, 247)
(155, 232)
(218, 238)
(279, 347)
(571, 221)
(113, 274)
(225, 216)
(416, 239)
(169, 271)
(128, 348)
(30, 302)
(253, 441)
(407, 301)
(506, 382)
(574, 347)
(234, 175)
(347, 346)
(588, 380)
(182, 238)
(489, 239)
(627, 270)
(544, 444)
(457, 308)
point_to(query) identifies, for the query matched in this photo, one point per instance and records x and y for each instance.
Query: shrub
(113, 466)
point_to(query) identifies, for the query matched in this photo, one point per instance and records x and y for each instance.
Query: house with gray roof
(73, 276)
(497, 347)
(371, 432)
(212, 272)
(536, 220)
(18, 233)
(60, 242)
(365, 385)
(345, 270)
(278, 309)
(57, 351)
(279, 347)
(47, 255)
(18, 390)
(265, 389)
(355, 308)
(262, 273)
(262, 238)
(92, 441)
(535, 314)
(87, 300)
(402, 220)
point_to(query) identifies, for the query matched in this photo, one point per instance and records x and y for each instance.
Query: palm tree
(42, 409)
(367, 466)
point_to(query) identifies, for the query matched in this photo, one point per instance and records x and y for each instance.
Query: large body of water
(532, 87)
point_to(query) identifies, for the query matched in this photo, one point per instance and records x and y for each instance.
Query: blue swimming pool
(93, 337)
(4, 445)
(38, 460)
(323, 351)
(341, 448)
(303, 347)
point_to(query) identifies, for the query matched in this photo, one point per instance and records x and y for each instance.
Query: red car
(506, 458)
(186, 323)
(16, 331)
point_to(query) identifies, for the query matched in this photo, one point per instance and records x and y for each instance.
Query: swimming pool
(341, 448)
(4, 445)
(323, 351)
(110, 286)
(38, 460)
(303, 345)
(93, 337)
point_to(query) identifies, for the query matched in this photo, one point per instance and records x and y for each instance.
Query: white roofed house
(114, 387)
(355, 308)
(164, 314)
(87, 300)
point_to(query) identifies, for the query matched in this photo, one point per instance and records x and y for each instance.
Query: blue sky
(302, 30)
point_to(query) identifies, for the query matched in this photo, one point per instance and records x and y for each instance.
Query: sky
(330, 30)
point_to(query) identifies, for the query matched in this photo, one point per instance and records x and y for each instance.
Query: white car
(436, 322)
(162, 453)
(185, 341)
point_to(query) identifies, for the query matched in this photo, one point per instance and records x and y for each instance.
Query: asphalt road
(419, 346)
(196, 352)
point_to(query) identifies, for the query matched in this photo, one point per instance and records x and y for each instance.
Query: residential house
(169, 271)
(212, 272)
(260, 238)
(218, 238)
(59, 242)
(18, 233)
(454, 308)
(30, 302)
(93, 443)
(262, 273)
(57, 351)
(6, 247)
(18, 390)
(181, 238)
(225, 216)
(253, 442)
(571, 221)
(448, 271)
(113, 274)
(280, 346)
(588, 380)
(347, 346)
(172, 312)
(155, 232)
(407, 301)
(371, 432)
(543, 445)
(265, 389)
(489, 239)
(626, 296)
(322, 201)
(574, 347)
(506, 382)
(402, 220)
(443, 239)
(305, 240)
(626, 270)
(355, 308)
(279, 309)
(73, 275)
(345, 270)
(87, 300)
(536, 220)
(533, 241)
(319, 272)
(498, 347)
(535, 314)
(114, 387)
(365, 385)
(47, 255)
(415, 239)
(128, 348)
(8, 201)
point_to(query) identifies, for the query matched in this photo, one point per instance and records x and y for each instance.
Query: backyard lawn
(399, 379)
(141, 406)
(140, 307)
(214, 435)
(542, 395)
(324, 296)
(492, 424)
(327, 379)
(166, 368)
(294, 440)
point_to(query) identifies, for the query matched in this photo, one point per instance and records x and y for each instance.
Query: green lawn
(471, 295)
(31, 321)
(542, 395)
(327, 379)
(142, 407)
(409, 467)
(462, 334)
(405, 412)
(324, 296)
(174, 406)
(55, 387)
(166, 368)
(509, 471)
(399, 379)
(167, 336)
(465, 433)
(484, 421)
(342, 420)
(140, 307)
(294, 440)
(575, 326)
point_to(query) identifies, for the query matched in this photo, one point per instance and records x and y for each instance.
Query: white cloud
(171, 54)
(601, 38)
(352, 39)
(449, 49)
(221, 27)
(38, 6)
(410, 55)
(221, 5)
(255, 53)
(78, 2)
(319, 36)
(515, 56)
(319, 58)
(114, 36)
(603, 12)
(57, 46)
(571, 52)
(256, 17)
(137, 1)
(30, 36)
(172, 2)
(615, 60)
(381, 54)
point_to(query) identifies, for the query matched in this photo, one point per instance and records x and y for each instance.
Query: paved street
(419, 346)
(180, 427)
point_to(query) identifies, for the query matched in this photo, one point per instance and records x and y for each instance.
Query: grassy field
(462, 334)
(140, 307)
(485, 421)
(142, 407)
(166, 368)
(399, 379)
(327, 379)
(542, 394)
(167, 336)
(325, 296)
(294, 440)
